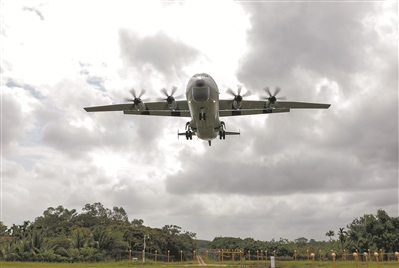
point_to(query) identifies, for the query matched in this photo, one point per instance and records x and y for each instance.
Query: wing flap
(232, 112)
(181, 113)
(253, 104)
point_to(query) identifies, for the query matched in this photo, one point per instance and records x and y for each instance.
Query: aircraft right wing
(250, 107)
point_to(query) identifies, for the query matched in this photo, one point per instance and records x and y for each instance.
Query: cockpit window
(200, 94)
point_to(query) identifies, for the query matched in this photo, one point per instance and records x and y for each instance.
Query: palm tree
(342, 235)
(330, 234)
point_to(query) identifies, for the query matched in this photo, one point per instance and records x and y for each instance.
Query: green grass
(252, 264)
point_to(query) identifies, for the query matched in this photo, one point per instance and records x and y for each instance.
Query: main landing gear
(189, 133)
(222, 132)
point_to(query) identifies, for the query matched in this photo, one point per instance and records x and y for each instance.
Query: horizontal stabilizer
(232, 133)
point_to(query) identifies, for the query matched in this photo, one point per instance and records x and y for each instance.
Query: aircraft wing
(301, 105)
(152, 108)
(259, 107)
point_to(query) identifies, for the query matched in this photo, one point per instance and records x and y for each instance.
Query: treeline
(370, 232)
(95, 234)
(101, 234)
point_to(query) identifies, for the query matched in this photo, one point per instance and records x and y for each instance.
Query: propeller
(137, 100)
(272, 97)
(237, 101)
(170, 99)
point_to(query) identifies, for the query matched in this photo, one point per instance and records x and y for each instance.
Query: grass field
(279, 264)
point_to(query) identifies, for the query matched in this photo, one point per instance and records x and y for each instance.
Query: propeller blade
(174, 89)
(246, 94)
(239, 87)
(267, 89)
(231, 92)
(165, 92)
(277, 91)
(133, 92)
(143, 91)
(179, 96)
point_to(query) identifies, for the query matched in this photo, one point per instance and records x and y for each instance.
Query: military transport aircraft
(204, 107)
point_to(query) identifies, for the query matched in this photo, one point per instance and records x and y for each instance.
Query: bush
(13, 257)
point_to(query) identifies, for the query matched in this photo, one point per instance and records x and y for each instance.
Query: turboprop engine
(237, 101)
(138, 103)
(170, 100)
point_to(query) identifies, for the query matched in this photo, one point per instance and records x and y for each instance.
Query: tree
(330, 234)
(81, 237)
(342, 236)
(301, 241)
(137, 223)
(374, 232)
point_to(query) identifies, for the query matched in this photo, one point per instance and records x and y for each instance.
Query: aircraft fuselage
(203, 101)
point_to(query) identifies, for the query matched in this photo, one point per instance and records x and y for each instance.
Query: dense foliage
(96, 234)
(368, 233)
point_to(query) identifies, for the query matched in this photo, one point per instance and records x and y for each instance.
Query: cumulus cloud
(160, 52)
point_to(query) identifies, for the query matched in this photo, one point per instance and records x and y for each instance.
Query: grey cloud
(304, 171)
(12, 119)
(163, 53)
(324, 37)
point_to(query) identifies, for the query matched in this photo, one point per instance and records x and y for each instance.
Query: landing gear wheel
(202, 116)
(190, 135)
(222, 134)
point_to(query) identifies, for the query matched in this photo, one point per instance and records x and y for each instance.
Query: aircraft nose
(200, 82)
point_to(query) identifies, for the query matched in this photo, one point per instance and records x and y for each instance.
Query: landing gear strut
(202, 116)
(222, 132)
(189, 133)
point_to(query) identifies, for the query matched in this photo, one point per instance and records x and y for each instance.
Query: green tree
(330, 234)
(342, 235)
(137, 223)
(81, 237)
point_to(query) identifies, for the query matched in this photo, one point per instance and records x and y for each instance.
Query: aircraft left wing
(151, 108)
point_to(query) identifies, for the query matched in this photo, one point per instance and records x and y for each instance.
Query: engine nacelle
(172, 105)
(237, 104)
(140, 106)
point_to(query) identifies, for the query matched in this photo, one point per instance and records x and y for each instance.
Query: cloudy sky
(288, 175)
